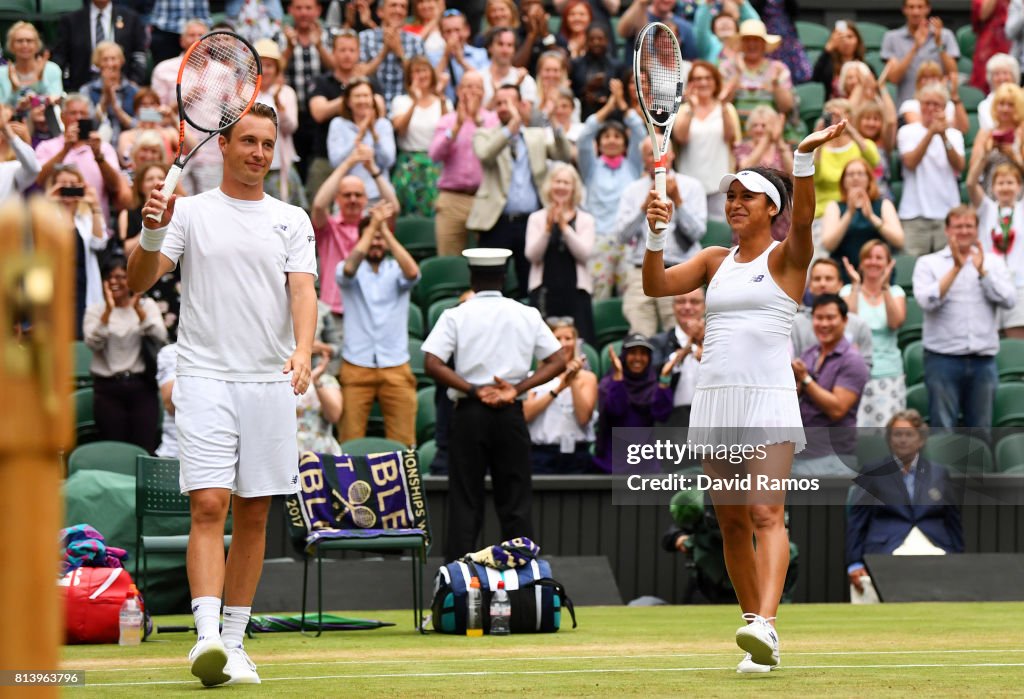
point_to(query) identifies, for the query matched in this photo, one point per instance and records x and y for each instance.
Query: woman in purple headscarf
(634, 394)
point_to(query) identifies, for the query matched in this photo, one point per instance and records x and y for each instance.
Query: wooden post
(36, 320)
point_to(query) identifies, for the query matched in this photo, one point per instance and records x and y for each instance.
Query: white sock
(206, 611)
(235, 621)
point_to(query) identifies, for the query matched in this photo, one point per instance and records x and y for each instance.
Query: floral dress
(791, 52)
(314, 432)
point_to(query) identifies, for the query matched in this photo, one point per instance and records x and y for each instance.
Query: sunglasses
(555, 322)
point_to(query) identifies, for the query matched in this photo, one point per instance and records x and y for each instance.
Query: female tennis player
(746, 393)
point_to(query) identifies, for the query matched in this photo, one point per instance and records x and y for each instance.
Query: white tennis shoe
(241, 668)
(759, 639)
(209, 658)
(748, 666)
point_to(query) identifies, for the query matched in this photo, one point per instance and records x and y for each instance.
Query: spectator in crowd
(764, 145)
(414, 116)
(705, 133)
(778, 17)
(514, 160)
(164, 79)
(552, 83)
(607, 170)
(601, 12)
(825, 278)
(560, 413)
(375, 353)
(362, 122)
(461, 173)
(559, 243)
(426, 24)
(592, 72)
(878, 124)
(1014, 30)
(921, 39)
(166, 372)
(905, 492)
(564, 117)
(684, 231)
(129, 219)
(1000, 216)
(497, 13)
(325, 102)
(956, 283)
(577, 17)
(687, 338)
(845, 44)
(105, 22)
(168, 22)
(1001, 68)
(256, 19)
(932, 153)
(988, 20)
(149, 116)
(18, 164)
(308, 54)
(640, 13)
(327, 337)
(534, 36)
(29, 73)
(931, 73)
(112, 92)
(1003, 142)
(319, 409)
(830, 377)
(831, 160)
(147, 149)
(715, 22)
(634, 394)
(337, 235)
(358, 15)
(884, 308)
(95, 159)
(68, 188)
(384, 50)
(459, 56)
(860, 215)
(501, 46)
(125, 401)
(753, 78)
(283, 181)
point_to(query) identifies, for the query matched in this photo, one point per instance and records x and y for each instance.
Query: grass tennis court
(954, 649)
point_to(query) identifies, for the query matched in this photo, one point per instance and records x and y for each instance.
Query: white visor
(754, 183)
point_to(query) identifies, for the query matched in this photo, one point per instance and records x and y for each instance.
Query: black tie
(100, 34)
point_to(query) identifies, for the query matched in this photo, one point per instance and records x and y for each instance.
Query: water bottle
(131, 619)
(501, 612)
(474, 609)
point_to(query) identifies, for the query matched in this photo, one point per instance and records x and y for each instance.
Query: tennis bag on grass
(536, 598)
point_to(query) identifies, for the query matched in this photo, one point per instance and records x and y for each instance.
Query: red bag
(92, 607)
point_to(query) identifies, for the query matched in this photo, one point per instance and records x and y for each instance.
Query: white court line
(593, 671)
(560, 658)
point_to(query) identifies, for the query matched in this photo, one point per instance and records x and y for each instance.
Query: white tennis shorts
(236, 435)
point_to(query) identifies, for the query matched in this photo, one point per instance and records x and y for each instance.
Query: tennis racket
(658, 76)
(218, 82)
(358, 494)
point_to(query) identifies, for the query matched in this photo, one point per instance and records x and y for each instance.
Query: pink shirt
(460, 169)
(334, 242)
(82, 157)
(164, 80)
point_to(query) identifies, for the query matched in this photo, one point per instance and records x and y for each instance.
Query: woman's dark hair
(112, 263)
(613, 125)
(858, 53)
(782, 182)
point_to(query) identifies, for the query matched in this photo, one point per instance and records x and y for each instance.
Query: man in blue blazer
(904, 491)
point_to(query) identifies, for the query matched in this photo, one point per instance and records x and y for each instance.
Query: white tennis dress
(746, 393)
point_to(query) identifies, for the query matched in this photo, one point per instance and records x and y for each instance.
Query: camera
(827, 119)
(150, 115)
(72, 191)
(85, 127)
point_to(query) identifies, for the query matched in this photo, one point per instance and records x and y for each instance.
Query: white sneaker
(241, 668)
(208, 660)
(749, 666)
(759, 639)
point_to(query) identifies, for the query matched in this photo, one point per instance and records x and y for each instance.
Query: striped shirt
(171, 15)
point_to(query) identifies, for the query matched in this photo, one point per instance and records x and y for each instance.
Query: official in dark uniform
(494, 340)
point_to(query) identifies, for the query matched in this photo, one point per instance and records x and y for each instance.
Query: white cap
(753, 182)
(487, 257)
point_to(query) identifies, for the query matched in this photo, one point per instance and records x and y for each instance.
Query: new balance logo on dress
(757, 278)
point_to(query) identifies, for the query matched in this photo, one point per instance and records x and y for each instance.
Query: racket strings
(660, 73)
(218, 82)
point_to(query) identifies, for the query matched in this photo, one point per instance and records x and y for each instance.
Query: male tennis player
(248, 315)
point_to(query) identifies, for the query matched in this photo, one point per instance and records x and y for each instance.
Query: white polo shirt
(931, 189)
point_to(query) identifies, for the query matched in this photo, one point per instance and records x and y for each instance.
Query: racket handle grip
(659, 187)
(170, 182)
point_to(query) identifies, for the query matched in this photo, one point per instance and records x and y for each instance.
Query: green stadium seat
(416, 234)
(812, 35)
(896, 187)
(871, 447)
(895, 165)
(85, 424)
(370, 445)
(917, 399)
(426, 416)
(415, 322)
(1008, 407)
(53, 9)
(1010, 453)
(14, 10)
(813, 55)
(115, 457)
(439, 307)
(871, 34)
(718, 233)
(441, 277)
(972, 129)
(964, 65)
(912, 326)
(966, 39)
(609, 323)
(959, 452)
(965, 197)
(811, 99)
(913, 363)
(425, 453)
(375, 421)
(416, 363)
(971, 97)
(606, 361)
(1010, 359)
(82, 360)
(905, 272)
(875, 62)
(554, 23)
(593, 359)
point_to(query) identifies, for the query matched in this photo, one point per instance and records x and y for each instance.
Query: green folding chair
(115, 457)
(1010, 359)
(426, 416)
(913, 363)
(609, 323)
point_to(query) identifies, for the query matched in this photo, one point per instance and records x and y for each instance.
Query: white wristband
(152, 239)
(656, 241)
(803, 164)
